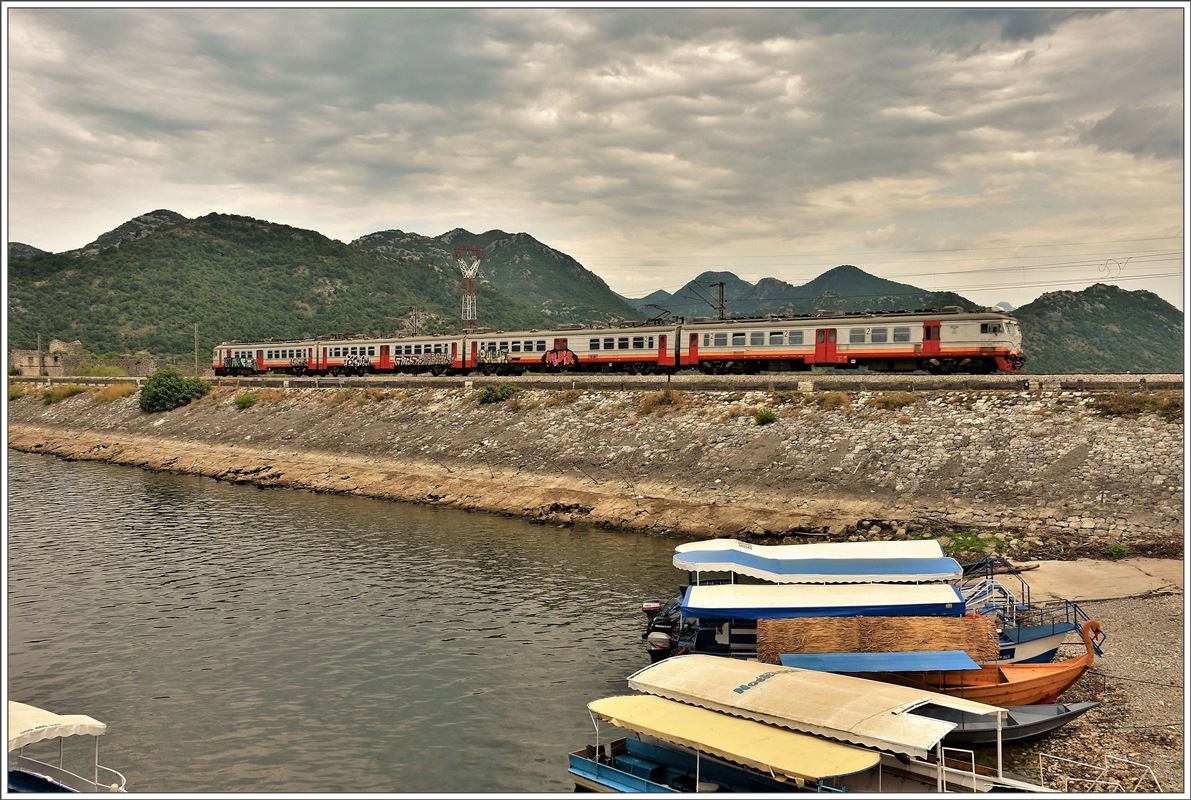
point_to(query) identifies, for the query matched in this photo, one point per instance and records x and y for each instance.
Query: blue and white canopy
(835, 562)
(766, 601)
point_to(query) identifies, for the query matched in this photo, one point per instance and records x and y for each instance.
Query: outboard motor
(659, 645)
(651, 608)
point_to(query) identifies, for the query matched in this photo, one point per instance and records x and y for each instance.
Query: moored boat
(1006, 684)
(29, 725)
(707, 711)
(1022, 723)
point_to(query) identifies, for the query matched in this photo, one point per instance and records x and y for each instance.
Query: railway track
(778, 381)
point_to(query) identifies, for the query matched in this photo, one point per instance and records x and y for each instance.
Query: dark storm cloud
(1152, 130)
(604, 128)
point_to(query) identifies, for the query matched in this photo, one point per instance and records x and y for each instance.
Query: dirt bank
(1036, 474)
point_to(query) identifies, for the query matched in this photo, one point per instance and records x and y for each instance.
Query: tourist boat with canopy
(725, 724)
(28, 726)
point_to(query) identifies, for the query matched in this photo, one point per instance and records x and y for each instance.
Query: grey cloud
(1146, 130)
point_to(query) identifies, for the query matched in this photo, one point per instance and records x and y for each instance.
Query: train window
(777, 337)
(516, 346)
(622, 343)
(721, 340)
(757, 338)
(608, 342)
(649, 344)
(880, 334)
(901, 334)
(541, 348)
(738, 339)
(593, 344)
(794, 337)
(706, 339)
(417, 349)
(504, 346)
(372, 350)
(856, 336)
(638, 342)
(528, 346)
(990, 327)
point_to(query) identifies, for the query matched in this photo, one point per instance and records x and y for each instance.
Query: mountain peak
(136, 228)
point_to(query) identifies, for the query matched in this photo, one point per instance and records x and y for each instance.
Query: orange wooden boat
(1006, 684)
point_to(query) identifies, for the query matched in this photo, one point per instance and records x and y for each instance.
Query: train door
(930, 338)
(692, 350)
(385, 363)
(825, 346)
(454, 354)
(663, 357)
(475, 354)
(260, 360)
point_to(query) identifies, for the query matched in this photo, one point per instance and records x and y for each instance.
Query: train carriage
(936, 341)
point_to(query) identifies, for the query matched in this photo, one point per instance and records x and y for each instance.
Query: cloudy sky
(999, 153)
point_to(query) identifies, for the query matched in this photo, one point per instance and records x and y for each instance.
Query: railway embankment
(1033, 471)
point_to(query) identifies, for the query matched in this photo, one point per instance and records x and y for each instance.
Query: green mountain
(143, 285)
(553, 285)
(1101, 329)
(843, 288)
(22, 250)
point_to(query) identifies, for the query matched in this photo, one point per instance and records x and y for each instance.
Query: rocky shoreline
(1028, 473)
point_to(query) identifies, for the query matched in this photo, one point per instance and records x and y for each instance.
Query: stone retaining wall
(1035, 473)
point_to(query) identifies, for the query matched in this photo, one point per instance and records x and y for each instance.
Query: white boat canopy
(28, 725)
(791, 600)
(841, 707)
(832, 562)
(781, 753)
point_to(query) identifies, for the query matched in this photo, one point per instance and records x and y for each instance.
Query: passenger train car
(936, 341)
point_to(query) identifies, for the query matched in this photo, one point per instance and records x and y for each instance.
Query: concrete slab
(1091, 579)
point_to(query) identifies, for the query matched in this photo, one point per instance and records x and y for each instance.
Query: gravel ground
(1140, 685)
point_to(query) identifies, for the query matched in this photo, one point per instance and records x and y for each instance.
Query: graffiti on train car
(493, 357)
(357, 361)
(424, 360)
(560, 358)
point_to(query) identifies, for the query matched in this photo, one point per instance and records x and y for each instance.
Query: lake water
(238, 639)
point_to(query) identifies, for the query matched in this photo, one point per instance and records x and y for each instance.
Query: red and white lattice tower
(468, 256)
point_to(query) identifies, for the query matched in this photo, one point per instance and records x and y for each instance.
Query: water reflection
(248, 640)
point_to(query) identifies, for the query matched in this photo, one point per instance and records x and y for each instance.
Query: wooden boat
(1007, 685)
(1021, 724)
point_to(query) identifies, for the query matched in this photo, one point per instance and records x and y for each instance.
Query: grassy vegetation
(246, 400)
(114, 392)
(495, 393)
(93, 370)
(968, 546)
(834, 401)
(55, 394)
(765, 416)
(15, 390)
(565, 396)
(1116, 551)
(1168, 405)
(892, 401)
(665, 401)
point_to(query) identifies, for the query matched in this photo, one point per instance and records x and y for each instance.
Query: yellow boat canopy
(774, 751)
(840, 707)
(28, 725)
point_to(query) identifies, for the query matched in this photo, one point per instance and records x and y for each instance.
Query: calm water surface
(236, 639)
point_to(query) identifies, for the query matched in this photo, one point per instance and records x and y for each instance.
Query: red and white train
(936, 341)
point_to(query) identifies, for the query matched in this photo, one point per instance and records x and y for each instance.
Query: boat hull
(1022, 723)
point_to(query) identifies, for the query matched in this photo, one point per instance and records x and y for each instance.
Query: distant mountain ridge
(842, 288)
(144, 284)
(1103, 328)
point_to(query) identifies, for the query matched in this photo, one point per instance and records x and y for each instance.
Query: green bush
(495, 393)
(246, 400)
(100, 371)
(1168, 404)
(1116, 550)
(765, 416)
(168, 389)
(15, 391)
(55, 393)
